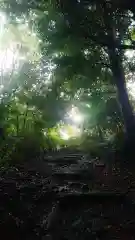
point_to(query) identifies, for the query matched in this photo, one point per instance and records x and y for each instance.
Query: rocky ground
(74, 200)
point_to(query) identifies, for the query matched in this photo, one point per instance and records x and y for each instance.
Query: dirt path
(27, 199)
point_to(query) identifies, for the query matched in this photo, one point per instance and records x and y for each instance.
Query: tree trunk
(115, 56)
(25, 118)
(17, 125)
(100, 133)
(119, 78)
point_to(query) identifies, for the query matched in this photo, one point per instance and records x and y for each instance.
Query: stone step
(62, 161)
(69, 155)
(72, 176)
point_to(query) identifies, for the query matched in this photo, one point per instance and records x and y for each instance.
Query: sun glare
(75, 116)
(18, 43)
(69, 131)
(130, 54)
(73, 124)
(64, 134)
(130, 82)
(8, 60)
(131, 88)
(3, 22)
(8, 51)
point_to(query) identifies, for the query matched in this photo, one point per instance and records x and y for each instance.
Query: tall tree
(83, 37)
(104, 25)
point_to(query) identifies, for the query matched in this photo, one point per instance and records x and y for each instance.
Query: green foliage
(66, 58)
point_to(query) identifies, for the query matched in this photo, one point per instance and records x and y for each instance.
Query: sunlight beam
(8, 60)
(75, 116)
(64, 135)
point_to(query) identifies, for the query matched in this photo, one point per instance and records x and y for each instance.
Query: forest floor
(85, 209)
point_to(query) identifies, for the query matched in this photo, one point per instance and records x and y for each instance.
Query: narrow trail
(73, 201)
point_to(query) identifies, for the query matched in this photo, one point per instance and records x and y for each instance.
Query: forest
(67, 123)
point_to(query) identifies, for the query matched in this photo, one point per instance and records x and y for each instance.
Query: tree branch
(110, 45)
(107, 43)
(126, 47)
